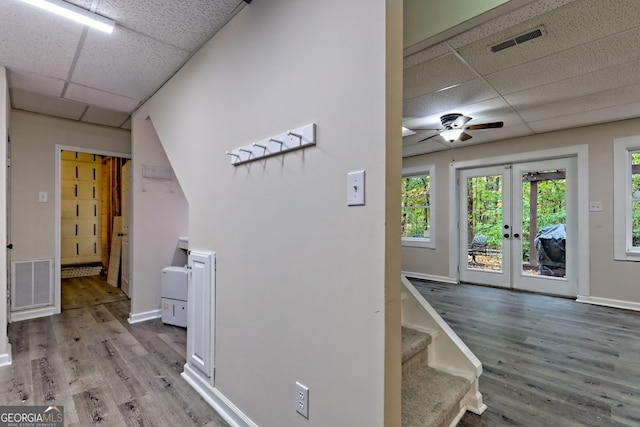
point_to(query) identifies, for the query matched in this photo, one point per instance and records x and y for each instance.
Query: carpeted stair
(430, 398)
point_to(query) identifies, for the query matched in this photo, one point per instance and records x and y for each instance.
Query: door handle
(516, 235)
(10, 246)
(506, 235)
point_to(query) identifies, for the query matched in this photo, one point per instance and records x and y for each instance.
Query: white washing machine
(174, 296)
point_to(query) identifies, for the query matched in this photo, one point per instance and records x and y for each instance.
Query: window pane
(635, 204)
(416, 210)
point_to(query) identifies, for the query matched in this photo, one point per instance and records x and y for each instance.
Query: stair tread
(431, 398)
(413, 342)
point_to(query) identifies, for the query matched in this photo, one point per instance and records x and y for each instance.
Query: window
(418, 216)
(626, 209)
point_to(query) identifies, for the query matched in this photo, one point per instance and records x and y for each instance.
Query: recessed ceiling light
(75, 13)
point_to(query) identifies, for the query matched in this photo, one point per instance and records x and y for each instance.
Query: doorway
(84, 243)
(518, 226)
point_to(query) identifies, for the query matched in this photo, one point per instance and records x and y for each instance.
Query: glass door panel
(483, 203)
(544, 206)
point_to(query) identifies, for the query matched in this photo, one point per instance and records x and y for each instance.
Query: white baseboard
(430, 277)
(143, 317)
(614, 303)
(34, 313)
(5, 359)
(223, 406)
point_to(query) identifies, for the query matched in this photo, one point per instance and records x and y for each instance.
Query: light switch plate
(355, 188)
(43, 197)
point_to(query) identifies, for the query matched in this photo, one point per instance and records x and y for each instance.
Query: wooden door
(80, 198)
(126, 227)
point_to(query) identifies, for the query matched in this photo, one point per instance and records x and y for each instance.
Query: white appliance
(174, 296)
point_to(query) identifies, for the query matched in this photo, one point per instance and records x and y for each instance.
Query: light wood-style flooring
(103, 370)
(547, 361)
(86, 291)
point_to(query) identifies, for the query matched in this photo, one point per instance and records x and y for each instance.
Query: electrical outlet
(302, 400)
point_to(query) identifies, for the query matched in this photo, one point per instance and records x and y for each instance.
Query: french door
(518, 226)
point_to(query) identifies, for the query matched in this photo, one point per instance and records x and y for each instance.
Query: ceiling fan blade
(438, 129)
(464, 136)
(493, 125)
(460, 122)
(429, 137)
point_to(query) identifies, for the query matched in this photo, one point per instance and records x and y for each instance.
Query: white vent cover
(31, 284)
(525, 37)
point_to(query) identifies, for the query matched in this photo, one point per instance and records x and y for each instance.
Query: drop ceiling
(584, 70)
(60, 68)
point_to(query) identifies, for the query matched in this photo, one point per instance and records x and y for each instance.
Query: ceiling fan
(453, 127)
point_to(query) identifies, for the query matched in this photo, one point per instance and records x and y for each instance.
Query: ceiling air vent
(529, 35)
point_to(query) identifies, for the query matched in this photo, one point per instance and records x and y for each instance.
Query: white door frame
(57, 292)
(581, 152)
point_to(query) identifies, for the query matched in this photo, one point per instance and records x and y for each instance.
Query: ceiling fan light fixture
(407, 132)
(75, 13)
(451, 134)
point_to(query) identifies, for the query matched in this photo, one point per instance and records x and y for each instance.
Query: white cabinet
(201, 314)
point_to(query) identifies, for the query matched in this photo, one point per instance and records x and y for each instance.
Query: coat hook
(275, 140)
(296, 135)
(228, 153)
(246, 151)
(264, 147)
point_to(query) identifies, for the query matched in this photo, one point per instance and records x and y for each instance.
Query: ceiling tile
(36, 83)
(466, 93)
(434, 75)
(30, 101)
(506, 21)
(598, 81)
(143, 64)
(104, 117)
(587, 118)
(594, 56)
(27, 31)
(426, 55)
(573, 25)
(592, 102)
(183, 24)
(102, 99)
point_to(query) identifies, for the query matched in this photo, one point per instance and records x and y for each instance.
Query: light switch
(355, 188)
(43, 197)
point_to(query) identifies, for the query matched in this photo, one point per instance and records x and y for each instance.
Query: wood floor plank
(117, 375)
(547, 361)
(104, 370)
(96, 407)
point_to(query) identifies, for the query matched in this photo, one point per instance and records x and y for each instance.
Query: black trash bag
(550, 250)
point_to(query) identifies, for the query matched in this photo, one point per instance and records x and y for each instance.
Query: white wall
(33, 160)
(610, 279)
(300, 276)
(159, 217)
(5, 110)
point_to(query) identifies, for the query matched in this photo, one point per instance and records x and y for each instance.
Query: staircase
(430, 398)
(439, 373)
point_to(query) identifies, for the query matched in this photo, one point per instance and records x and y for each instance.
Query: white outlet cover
(43, 197)
(595, 206)
(355, 188)
(302, 400)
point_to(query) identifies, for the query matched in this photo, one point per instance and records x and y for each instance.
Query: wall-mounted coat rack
(279, 144)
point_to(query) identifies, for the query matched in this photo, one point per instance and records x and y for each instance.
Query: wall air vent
(529, 35)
